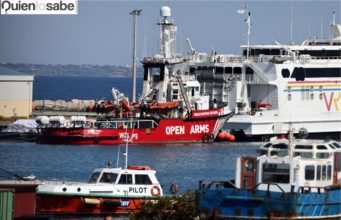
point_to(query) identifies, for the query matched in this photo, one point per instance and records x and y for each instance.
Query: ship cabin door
(248, 172)
(336, 167)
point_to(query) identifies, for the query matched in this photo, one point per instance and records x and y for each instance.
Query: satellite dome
(165, 11)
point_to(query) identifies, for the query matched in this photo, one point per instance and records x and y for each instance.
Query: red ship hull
(198, 128)
(80, 205)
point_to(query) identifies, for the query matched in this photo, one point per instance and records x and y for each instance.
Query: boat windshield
(276, 173)
(94, 177)
(108, 178)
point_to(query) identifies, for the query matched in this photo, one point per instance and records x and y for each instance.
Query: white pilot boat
(109, 190)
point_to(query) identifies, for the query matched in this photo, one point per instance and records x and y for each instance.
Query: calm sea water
(183, 164)
(67, 88)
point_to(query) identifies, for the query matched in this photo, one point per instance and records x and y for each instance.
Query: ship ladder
(183, 91)
(220, 124)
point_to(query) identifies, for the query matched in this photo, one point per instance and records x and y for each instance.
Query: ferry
(290, 179)
(297, 84)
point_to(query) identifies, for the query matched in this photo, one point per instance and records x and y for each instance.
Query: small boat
(290, 179)
(109, 191)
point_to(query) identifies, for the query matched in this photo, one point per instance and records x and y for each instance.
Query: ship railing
(203, 186)
(127, 124)
(268, 187)
(161, 60)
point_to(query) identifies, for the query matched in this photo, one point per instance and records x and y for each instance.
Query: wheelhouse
(303, 165)
(135, 175)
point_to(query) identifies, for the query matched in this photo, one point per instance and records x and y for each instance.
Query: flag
(241, 11)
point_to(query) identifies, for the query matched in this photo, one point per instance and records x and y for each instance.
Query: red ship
(199, 126)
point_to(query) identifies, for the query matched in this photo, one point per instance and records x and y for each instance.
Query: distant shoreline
(72, 70)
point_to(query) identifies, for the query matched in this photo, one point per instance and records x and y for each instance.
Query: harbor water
(182, 164)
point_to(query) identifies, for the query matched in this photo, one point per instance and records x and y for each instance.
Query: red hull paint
(75, 205)
(168, 131)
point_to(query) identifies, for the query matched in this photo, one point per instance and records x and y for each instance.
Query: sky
(101, 33)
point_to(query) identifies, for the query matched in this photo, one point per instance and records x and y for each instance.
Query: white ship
(266, 87)
(297, 84)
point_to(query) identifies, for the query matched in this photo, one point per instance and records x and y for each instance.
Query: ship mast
(167, 33)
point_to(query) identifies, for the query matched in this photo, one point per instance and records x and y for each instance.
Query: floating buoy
(232, 137)
(221, 136)
(227, 136)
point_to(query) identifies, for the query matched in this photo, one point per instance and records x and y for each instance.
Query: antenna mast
(248, 34)
(291, 23)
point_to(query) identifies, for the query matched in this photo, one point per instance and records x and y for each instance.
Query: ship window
(191, 69)
(336, 145)
(94, 177)
(300, 73)
(329, 172)
(304, 147)
(142, 179)
(267, 145)
(237, 70)
(204, 67)
(276, 173)
(280, 153)
(108, 178)
(309, 172)
(146, 124)
(126, 179)
(324, 172)
(321, 147)
(331, 146)
(175, 91)
(280, 146)
(219, 70)
(263, 152)
(275, 52)
(318, 172)
(303, 154)
(322, 155)
(248, 70)
(285, 73)
(228, 70)
(174, 97)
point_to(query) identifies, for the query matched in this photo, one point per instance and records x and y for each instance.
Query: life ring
(147, 130)
(155, 191)
(174, 188)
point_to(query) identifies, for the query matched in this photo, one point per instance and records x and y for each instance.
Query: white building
(15, 94)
